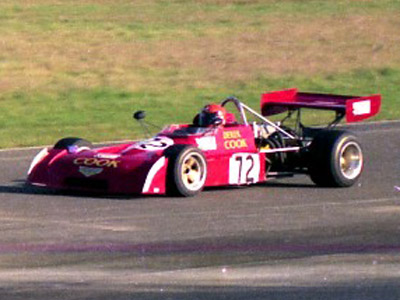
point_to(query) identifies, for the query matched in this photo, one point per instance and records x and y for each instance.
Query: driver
(211, 115)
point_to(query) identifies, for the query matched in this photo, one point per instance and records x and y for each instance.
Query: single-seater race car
(219, 148)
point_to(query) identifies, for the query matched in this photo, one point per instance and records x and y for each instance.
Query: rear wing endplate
(355, 108)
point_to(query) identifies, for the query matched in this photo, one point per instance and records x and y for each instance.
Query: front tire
(187, 171)
(336, 159)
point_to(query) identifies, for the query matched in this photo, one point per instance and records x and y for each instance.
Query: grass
(81, 69)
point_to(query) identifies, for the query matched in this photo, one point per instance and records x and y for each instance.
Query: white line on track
(46, 146)
(382, 130)
(319, 204)
(15, 158)
(22, 149)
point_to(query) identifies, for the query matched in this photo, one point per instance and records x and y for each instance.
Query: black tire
(65, 143)
(336, 159)
(187, 170)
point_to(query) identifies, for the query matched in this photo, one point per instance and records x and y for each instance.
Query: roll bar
(242, 108)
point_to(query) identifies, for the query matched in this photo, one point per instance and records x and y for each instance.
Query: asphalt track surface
(285, 239)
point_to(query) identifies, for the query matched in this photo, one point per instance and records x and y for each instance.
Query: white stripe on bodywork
(153, 171)
(38, 158)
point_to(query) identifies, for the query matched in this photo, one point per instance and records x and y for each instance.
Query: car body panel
(141, 167)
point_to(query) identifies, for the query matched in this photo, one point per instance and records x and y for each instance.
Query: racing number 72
(244, 168)
(251, 161)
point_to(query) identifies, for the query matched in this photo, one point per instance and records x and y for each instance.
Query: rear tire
(68, 142)
(336, 159)
(187, 170)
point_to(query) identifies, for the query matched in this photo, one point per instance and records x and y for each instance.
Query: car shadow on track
(268, 184)
(289, 185)
(21, 187)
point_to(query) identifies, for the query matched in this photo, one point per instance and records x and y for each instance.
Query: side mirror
(139, 115)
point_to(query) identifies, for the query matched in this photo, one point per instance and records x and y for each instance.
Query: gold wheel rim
(351, 160)
(192, 172)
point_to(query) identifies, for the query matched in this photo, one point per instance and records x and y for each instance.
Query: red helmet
(212, 114)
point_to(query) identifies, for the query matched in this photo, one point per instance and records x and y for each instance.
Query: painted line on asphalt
(281, 209)
(15, 158)
(47, 146)
(350, 202)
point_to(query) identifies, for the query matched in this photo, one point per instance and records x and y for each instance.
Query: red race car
(220, 148)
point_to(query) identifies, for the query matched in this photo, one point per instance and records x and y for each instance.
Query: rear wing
(355, 108)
